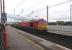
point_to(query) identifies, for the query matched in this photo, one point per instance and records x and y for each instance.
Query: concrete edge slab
(44, 42)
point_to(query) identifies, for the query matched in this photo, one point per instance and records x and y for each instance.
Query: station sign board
(3, 17)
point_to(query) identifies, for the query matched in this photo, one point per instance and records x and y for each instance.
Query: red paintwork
(4, 40)
(25, 24)
(33, 23)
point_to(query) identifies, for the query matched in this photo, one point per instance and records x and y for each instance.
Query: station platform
(20, 40)
(15, 41)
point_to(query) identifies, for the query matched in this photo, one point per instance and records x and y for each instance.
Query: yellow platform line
(35, 44)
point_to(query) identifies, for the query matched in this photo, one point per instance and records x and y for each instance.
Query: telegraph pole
(14, 12)
(70, 13)
(47, 14)
(3, 23)
(3, 14)
(1, 29)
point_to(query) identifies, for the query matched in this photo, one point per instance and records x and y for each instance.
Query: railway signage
(3, 17)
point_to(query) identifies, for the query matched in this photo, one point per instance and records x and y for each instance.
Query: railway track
(56, 38)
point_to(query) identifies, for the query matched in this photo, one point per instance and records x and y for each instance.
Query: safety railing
(1, 38)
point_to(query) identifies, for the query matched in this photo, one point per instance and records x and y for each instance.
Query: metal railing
(60, 29)
(1, 38)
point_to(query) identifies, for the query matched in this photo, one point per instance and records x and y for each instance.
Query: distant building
(60, 22)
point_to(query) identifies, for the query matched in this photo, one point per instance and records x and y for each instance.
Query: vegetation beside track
(56, 38)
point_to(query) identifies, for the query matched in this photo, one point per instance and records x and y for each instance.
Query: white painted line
(63, 47)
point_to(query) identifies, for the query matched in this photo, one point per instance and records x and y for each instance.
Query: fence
(1, 39)
(60, 29)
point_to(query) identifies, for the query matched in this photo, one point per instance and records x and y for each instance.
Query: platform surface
(15, 41)
(21, 40)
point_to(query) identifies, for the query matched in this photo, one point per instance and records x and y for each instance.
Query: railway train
(39, 24)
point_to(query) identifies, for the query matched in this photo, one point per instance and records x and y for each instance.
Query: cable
(20, 3)
(30, 7)
(60, 3)
(40, 3)
(45, 8)
(55, 5)
(27, 8)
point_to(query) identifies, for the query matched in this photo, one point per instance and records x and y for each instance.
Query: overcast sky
(35, 9)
